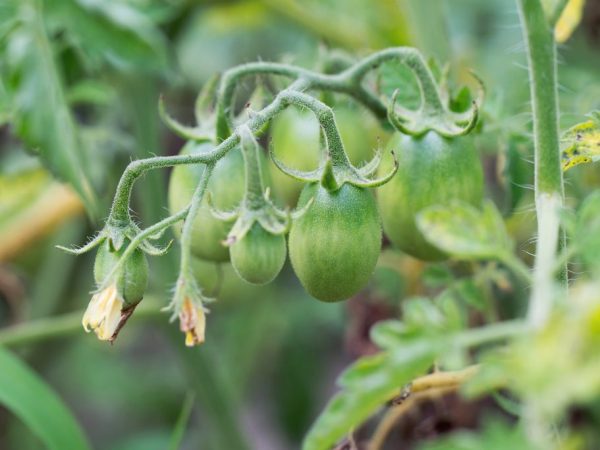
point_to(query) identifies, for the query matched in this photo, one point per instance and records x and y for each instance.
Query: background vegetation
(78, 100)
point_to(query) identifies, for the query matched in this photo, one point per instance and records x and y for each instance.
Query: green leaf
(25, 394)
(112, 32)
(394, 75)
(40, 114)
(182, 420)
(466, 232)
(371, 381)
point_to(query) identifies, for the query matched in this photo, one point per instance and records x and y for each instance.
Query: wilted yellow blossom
(105, 314)
(192, 321)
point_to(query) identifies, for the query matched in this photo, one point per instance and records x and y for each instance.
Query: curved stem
(405, 55)
(348, 82)
(231, 79)
(326, 119)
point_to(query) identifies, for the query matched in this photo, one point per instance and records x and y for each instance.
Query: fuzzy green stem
(326, 119)
(541, 53)
(255, 188)
(412, 59)
(188, 225)
(348, 82)
(141, 237)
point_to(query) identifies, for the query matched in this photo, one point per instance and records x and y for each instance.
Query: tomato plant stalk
(538, 31)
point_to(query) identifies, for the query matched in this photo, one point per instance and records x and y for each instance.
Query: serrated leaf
(26, 395)
(374, 383)
(465, 231)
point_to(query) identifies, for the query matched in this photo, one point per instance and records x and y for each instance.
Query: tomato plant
(424, 205)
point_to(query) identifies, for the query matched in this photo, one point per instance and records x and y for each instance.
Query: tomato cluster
(336, 241)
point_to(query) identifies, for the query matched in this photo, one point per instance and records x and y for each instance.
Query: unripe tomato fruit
(431, 170)
(335, 244)
(259, 256)
(226, 186)
(132, 278)
(296, 142)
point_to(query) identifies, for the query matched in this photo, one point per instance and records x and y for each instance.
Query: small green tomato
(259, 256)
(335, 244)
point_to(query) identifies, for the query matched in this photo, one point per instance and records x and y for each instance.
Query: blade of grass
(24, 393)
(182, 420)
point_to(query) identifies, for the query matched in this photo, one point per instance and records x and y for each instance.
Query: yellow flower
(192, 321)
(105, 314)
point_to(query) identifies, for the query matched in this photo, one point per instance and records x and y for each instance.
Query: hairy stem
(541, 53)
(254, 180)
(188, 225)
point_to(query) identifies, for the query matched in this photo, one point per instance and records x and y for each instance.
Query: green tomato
(431, 170)
(335, 244)
(226, 187)
(132, 278)
(296, 141)
(259, 256)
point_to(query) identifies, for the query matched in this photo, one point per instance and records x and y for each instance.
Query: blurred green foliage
(79, 88)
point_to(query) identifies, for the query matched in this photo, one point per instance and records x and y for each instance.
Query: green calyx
(256, 206)
(434, 112)
(335, 169)
(118, 235)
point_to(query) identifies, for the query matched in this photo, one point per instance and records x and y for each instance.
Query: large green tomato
(335, 244)
(226, 186)
(431, 170)
(296, 141)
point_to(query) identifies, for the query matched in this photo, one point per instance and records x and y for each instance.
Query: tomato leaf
(464, 231)
(410, 347)
(112, 32)
(369, 384)
(25, 394)
(39, 112)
